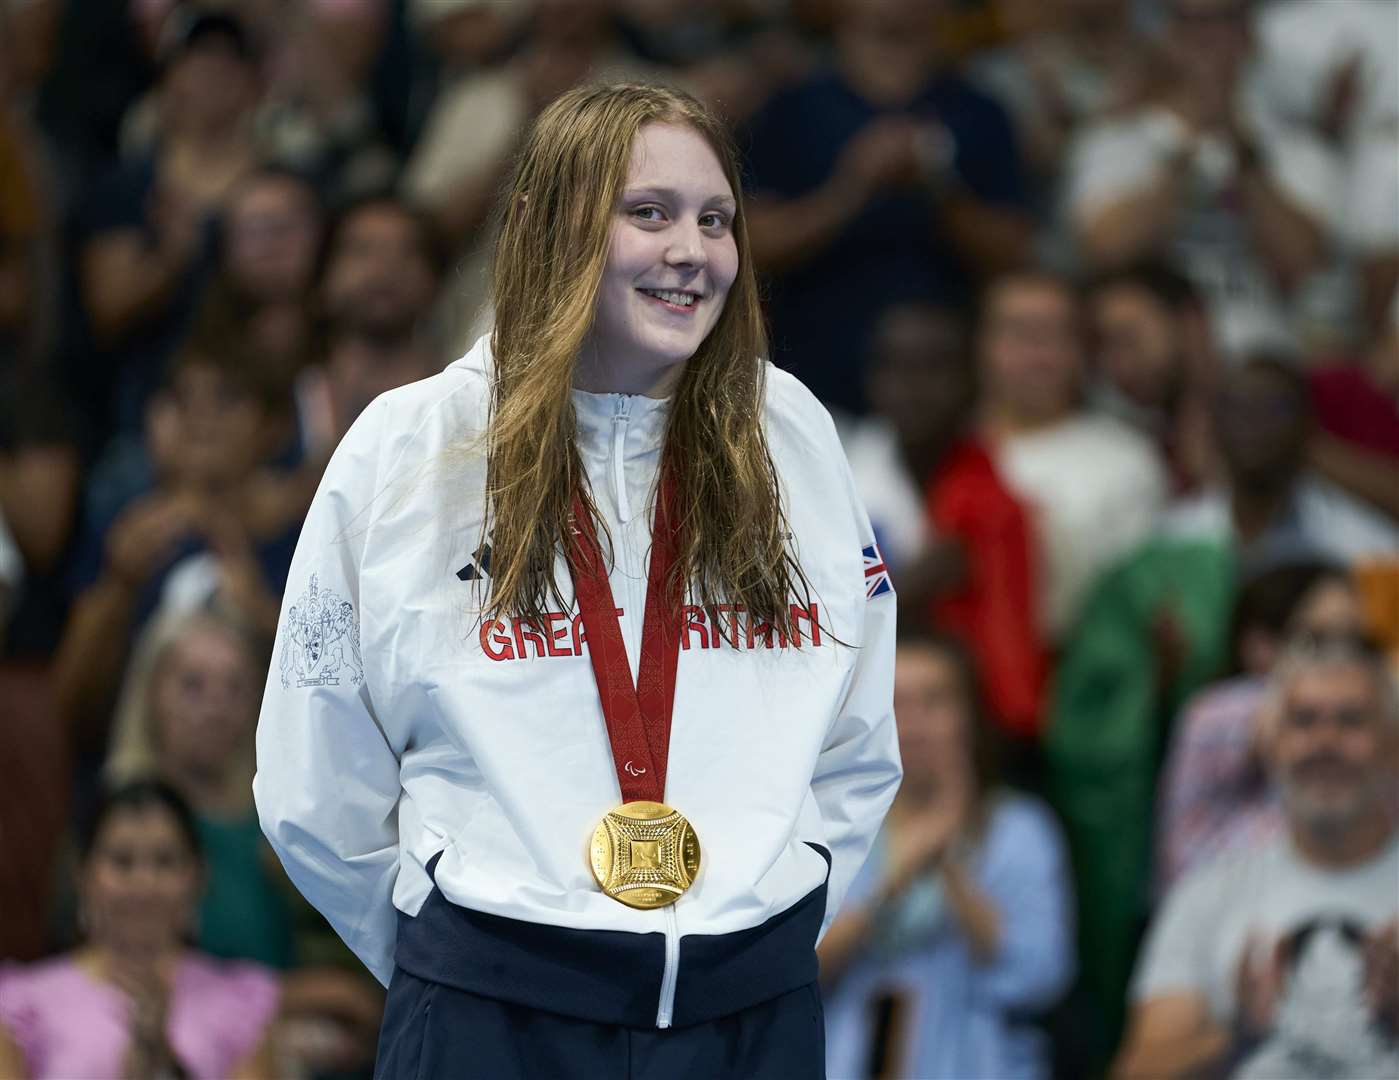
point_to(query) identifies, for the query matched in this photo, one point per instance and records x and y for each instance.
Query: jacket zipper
(619, 453)
(672, 968)
(666, 1007)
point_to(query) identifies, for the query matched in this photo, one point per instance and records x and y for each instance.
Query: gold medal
(644, 854)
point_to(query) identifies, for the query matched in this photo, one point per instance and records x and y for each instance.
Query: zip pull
(619, 453)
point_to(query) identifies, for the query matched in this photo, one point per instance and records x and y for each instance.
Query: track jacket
(429, 778)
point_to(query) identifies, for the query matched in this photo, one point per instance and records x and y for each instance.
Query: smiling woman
(596, 826)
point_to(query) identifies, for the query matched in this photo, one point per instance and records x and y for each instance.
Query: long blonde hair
(552, 247)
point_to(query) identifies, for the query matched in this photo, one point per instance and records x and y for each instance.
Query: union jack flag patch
(877, 581)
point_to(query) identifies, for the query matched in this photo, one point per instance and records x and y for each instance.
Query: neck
(1256, 503)
(215, 793)
(594, 375)
(1002, 423)
(1339, 848)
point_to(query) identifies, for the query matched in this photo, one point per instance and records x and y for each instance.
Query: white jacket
(396, 729)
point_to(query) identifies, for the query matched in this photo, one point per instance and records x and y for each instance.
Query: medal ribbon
(637, 716)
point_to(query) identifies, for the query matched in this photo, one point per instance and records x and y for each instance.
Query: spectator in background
(1093, 486)
(187, 714)
(880, 179)
(1153, 363)
(1215, 796)
(958, 929)
(1355, 441)
(165, 526)
(1332, 71)
(142, 235)
(263, 293)
(24, 220)
(1066, 63)
(957, 542)
(1199, 176)
(135, 999)
(478, 119)
(379, 282)
(1282, 961)
(1272, 507)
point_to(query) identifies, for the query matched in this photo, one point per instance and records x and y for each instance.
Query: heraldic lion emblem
(320, 641)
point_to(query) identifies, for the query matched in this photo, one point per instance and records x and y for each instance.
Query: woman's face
(205, 702)
(672, 258)
(141, 881)
(930, 708)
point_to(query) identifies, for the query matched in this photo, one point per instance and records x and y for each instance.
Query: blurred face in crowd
(205, 429)
(1334, 746)
(1261, 423)
(921, 378)
(204, 699)
(891, 38)
(380, 280)
(1030, 350)
(672, 257)
(210, 86)
(1138, 344)
(1209, 38)
(272, 229)
(141, 881)
(933, 716)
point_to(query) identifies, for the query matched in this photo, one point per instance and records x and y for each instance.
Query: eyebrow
(671, 195)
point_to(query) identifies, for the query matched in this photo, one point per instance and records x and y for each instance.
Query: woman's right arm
(12, 1063)
(327, 783)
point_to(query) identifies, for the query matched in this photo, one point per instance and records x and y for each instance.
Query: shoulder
(31, 984)
(419, 420)
(1022, 822)
(797, 423)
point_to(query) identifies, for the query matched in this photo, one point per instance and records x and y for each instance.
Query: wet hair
(140, 796)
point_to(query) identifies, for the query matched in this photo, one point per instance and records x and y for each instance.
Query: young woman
(135, 1000)
(580, 719)
(959, 928)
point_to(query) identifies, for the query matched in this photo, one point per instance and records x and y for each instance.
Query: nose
(686, 247)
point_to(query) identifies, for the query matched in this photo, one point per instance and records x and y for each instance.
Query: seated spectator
(1271, 506)
(262, 296)
(957, 542)
(958, 929)
(883, 177)
(1093, 486)
(143, 233)
(186, 715)
(1355, 441)
(167, 524)
(135, 999)
(1195, 176)
(1214, 791)
(1153, 363)
(1280, 962)
(378, 284)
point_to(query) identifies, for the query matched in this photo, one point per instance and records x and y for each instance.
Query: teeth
(680, 299)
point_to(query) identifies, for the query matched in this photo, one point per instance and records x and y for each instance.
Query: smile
(675, 299)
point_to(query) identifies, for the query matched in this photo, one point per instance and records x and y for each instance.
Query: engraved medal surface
(644, 854)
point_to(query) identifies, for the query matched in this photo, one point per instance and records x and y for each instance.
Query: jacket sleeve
(858, 769)
(327, 783)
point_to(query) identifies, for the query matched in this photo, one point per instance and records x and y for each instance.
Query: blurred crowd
(1104, 296)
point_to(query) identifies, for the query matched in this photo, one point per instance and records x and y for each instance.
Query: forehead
(143, 825)
(678, 158)
(1340, 682)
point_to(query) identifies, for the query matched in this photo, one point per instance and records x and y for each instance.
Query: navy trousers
(432, 1030)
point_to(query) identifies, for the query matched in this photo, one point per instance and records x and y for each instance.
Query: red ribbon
(637, 716)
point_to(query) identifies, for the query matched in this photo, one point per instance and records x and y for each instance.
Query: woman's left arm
(858, 769)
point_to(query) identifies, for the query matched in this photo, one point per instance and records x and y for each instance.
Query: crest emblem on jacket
(320, 641)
